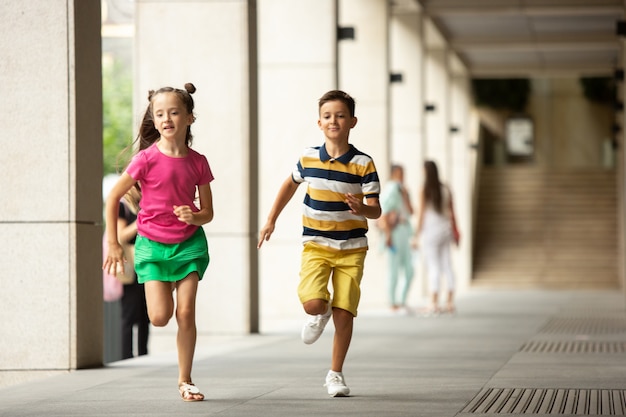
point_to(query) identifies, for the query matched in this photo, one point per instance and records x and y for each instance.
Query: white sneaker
(336, 385)
(314, 327)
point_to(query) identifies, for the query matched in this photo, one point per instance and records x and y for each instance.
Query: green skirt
(155, 261)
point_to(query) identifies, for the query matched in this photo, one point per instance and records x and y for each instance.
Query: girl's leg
(407, 266)
(448, 272)
(159, 302)
(343, 321)
(431, 260)
(393, 271)
(186, 290)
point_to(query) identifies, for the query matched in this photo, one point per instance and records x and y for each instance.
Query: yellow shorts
(318, 264)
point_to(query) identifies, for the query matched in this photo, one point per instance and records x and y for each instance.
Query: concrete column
(212, 44)
(51, 213)
(461, 167)
(363, 72)
(620, 162)
(297, 65)
(437, 95)
(406, 115)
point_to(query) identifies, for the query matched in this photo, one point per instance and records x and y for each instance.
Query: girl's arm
(286, 192)
(407, 199)
(455, 229)
(420, 215)
(204, 215)
(114, 260)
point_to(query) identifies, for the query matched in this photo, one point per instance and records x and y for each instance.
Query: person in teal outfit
(397, 233)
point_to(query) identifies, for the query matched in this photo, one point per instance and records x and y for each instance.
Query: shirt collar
(344, 159)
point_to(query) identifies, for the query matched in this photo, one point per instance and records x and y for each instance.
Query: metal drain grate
(589, 325)
(577, 346)
(558, 401)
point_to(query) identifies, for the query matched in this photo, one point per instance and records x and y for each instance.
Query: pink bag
(112, 288)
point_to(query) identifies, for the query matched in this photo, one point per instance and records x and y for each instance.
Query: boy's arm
(287, 190)
(371, 208)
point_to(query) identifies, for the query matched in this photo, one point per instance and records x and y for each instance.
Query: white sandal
(189, 392)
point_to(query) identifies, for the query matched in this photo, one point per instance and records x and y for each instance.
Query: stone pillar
(363, 72)
(51, 214)
(437, 95)
(620, 163)
(297, 65)
(461, 167)
(406, 113)
(212, 44)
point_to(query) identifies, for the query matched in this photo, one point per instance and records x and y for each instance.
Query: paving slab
(450, 365)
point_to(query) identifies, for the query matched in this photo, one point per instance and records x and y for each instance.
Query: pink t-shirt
(166, 182)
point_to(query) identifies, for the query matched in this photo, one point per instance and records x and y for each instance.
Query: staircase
(537, 228)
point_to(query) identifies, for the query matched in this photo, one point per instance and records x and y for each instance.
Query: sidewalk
(504, 352)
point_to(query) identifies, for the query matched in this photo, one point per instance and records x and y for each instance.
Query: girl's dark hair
(341, 96)
(148, 134)
(432, 186)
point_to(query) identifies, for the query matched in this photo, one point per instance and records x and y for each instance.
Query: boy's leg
(335, 383)
(313, 292)
(319, 312)
(315, 307)
(343, 321)
(347, 274)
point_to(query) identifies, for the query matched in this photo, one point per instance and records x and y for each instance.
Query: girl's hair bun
(150, 94)
(190, 88)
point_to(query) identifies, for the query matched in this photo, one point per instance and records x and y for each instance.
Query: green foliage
(502, 93)
(117, 90)
(599, 89)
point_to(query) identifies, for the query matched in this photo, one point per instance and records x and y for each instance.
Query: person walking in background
(171, 251)
(335, 217)
(134, 308)
(437, 229)
(397, 231)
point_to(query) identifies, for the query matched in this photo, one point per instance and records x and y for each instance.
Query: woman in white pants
(436, 228)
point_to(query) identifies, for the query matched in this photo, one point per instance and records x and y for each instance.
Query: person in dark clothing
(134, 309)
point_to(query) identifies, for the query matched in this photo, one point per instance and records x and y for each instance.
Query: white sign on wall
(519, 136)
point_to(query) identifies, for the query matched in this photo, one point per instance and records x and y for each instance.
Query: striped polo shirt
(326, 218)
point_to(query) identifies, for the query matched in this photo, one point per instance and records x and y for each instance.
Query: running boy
(334, 220)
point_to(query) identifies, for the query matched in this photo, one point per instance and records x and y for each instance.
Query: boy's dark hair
(342, 96)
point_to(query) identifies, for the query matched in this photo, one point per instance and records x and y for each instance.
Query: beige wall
(50, 215)
(570, 128)
(297, 64)
(570, 131)
(212, 50)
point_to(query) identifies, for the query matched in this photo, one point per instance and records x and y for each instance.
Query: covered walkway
(524, 352)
